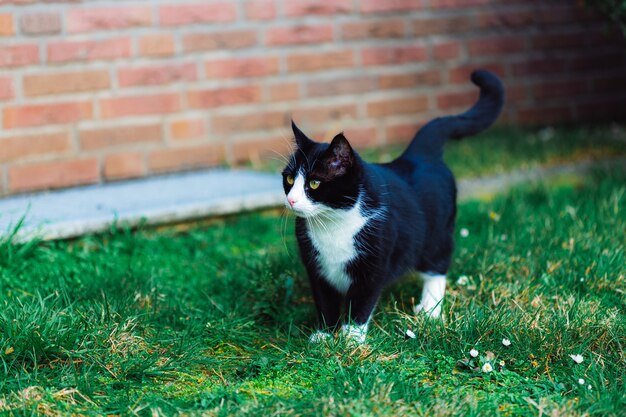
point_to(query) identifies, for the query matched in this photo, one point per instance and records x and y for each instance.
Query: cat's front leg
(361, 301)
(328, 303)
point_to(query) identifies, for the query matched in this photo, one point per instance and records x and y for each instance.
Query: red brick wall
(101, 90)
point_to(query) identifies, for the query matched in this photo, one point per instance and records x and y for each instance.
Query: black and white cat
(361, 226)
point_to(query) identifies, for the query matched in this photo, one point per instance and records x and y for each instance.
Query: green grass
(215, 320)
(501, 149)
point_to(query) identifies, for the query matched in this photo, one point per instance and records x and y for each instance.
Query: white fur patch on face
(355, 332)
(302, 205)
(432, 295)
(332, 234)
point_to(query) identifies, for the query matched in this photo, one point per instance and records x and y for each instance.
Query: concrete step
(156, 200)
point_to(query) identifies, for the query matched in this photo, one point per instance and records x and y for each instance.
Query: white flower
(473, 353)
(487, 367)
(506, 342)
(410, 334)
(462, 280)
(504, 237)
(589, 386)
(581, 381)
(577, 358)
(502, 363)
(464, 232)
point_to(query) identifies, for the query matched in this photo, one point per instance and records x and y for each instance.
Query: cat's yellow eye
(289, 180)
(314, 184)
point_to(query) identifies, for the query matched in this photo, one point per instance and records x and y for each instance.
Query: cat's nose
(291, 201)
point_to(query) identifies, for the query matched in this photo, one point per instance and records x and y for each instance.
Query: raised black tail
(429, 140)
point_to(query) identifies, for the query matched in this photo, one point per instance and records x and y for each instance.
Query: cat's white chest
(333, 238)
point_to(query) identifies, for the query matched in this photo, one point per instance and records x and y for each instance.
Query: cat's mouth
(301, 211)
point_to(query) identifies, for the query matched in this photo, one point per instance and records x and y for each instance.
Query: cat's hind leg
(433, 292)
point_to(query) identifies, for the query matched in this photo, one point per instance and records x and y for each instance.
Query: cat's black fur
(411, 204)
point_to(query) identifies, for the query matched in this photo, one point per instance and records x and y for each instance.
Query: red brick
(234, 39)
(139, 105)
(610, 83)
(558, 41)
(6, 24)
(496, 45)
(186, 14)
(362, 136)
(242, 67)
(107, 18)
(41, 23)
(462, 74)
(544, 115)
(15, 148)
(314, 61)
(316, 7)
(302, 34)
(324, 114)
(112, 137)
(393, 106)
(106, 49)
(65, 82)
(508, 19)
(46, 114)
(160, 44)
(187, 128)
(443, 25)
(156, 74)
(340, 86)
(557, 14)
(227, 96)
(456, 4)
(446, 50)
(402, 133)
(394, 55)
(260, 10)
(283, 91)
(6, 88)
(124, 165)
(254, 121)
(53, 174)
(538, 66)
(18, 55)
(390, 28)
(414, 79)
(462, 100)
(592, 61)
(386, 6)
(612, 109)
(554, 89)
(257, 150)
(174, 159)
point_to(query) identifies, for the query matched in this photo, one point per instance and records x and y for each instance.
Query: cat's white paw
(433, 292)
(354, 333)
(433, 312)
(320, 336)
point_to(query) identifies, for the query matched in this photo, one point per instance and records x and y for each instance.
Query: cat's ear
(303, 142)
(339, 156)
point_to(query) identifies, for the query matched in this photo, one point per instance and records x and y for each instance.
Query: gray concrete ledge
(156, 200)
(190, 196)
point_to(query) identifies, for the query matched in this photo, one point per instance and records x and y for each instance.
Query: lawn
(215, 319)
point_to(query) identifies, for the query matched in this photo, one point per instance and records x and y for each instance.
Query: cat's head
(321, 177)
